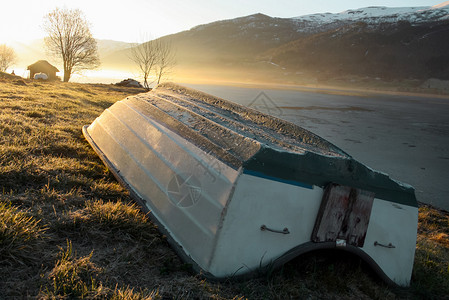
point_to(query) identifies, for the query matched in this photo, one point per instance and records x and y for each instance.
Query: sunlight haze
(126, 21)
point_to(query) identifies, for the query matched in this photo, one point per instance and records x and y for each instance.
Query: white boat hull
(221, 211)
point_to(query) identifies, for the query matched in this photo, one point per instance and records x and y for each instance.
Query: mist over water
(103, 76)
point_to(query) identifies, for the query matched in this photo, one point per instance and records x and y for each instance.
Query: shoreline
(345, 88)
(320, 88)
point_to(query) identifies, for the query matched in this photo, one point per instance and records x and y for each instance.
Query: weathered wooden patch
(344, 215)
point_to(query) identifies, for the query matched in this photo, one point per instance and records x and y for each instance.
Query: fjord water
(405, 136)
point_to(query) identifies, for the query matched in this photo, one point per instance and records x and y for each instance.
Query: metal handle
(390, 245)
(283, 231)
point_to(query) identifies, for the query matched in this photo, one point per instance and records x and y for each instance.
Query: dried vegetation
(69, 230)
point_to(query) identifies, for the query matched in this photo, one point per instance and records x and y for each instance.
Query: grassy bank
(69, 230)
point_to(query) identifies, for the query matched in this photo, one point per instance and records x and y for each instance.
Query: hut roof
(43, 64)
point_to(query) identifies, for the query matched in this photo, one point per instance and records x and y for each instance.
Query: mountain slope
(232, 41)
(400, 43)
(401, 51)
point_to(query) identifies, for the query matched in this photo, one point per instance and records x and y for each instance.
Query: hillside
(378, 43)
(223, 43)
(400, 51)
(68, 230)
(366, 47)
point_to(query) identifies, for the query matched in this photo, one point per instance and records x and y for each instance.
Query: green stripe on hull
(320, 170)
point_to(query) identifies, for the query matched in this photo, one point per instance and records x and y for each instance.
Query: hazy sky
(128, 20)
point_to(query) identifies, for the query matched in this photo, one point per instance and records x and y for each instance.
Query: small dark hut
(43, 66)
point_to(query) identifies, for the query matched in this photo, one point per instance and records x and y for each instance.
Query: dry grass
(20, 234)
(431, 268)
(69, 230)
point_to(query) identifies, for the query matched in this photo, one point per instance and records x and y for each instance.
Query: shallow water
(406, 137)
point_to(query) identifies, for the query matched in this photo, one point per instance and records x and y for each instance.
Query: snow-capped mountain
(377, 14)
(405, 42)
(374, 16)
(261, 32)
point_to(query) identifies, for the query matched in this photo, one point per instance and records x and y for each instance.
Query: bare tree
(69, 38)
(166, 59)
(154, 55)
(7, 57)
(145, 56)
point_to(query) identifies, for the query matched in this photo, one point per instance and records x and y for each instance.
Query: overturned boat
(238, 191)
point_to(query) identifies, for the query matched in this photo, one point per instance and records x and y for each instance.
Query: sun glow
(102, 76)
(21, 24)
